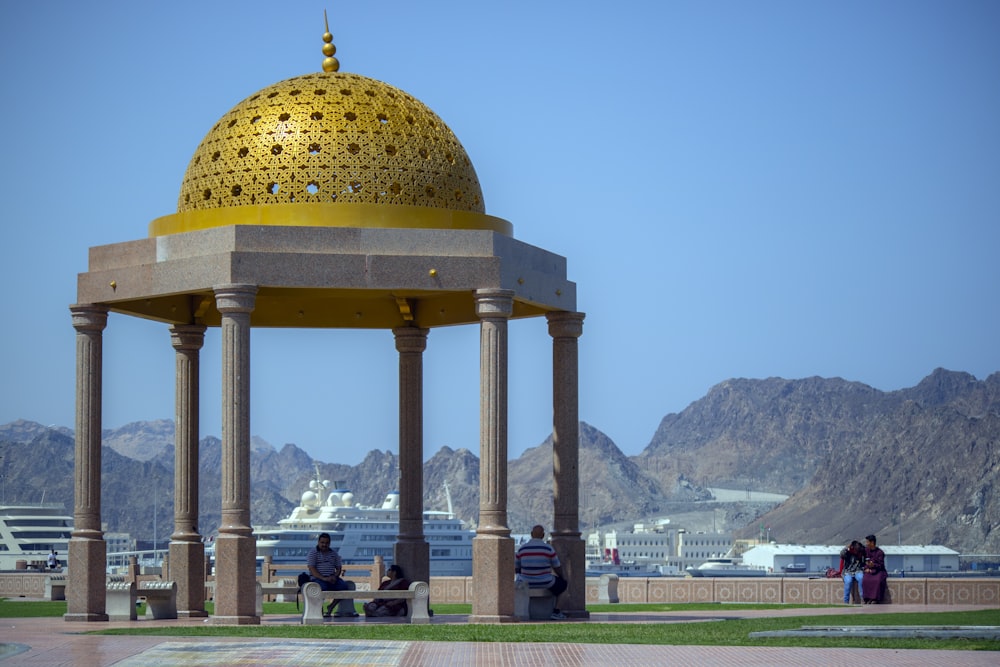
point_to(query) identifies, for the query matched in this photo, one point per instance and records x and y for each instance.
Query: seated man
(325, 568)
(395, 581)
(537, 564)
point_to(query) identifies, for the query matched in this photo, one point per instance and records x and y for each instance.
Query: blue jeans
(848, 578)
(345, 609)
(338, 585)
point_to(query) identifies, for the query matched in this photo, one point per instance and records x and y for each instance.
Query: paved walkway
(53, 642)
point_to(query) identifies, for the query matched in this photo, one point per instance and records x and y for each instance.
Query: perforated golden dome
(331, 137)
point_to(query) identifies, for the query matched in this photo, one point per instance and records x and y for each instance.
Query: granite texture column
(493, 548)
(411, 550)
(86, 595)
(235, 549)
(565, 329)
(187, 551)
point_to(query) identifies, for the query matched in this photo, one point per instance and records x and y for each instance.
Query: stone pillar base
(493, 577)
(235, 580)
(187, 568)
(86, 592)
(234, 620)
(492, 619)
(414, 557)
(573, 555)
(85, 617)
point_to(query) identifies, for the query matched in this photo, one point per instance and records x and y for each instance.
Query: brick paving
(53, 642)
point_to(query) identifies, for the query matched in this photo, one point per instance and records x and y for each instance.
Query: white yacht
(725, 567)
(29, 532)
(629, 569)
(359, 533)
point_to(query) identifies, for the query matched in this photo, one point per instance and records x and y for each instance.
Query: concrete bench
(607, 589)
(282, 589)
(121, 597)
(416, 601)
(55, 587)
(366, 577)
(161, 598)
(532, 604)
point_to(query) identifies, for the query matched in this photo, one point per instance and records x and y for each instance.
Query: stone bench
(121, 598)
(532, 604)
(416, 601)
(161, 598)
(366, 577)
(55, 587)
(282, 589)
(607, 589)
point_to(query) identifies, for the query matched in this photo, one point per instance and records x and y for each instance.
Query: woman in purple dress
(873, 583)
(390, 606)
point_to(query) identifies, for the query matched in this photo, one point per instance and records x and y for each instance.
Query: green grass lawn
(724, 632)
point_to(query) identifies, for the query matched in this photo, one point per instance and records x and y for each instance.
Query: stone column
(235, 548)
(187, 551)
(86, 595)
(493, 548)
(565, 328)
(411, 550)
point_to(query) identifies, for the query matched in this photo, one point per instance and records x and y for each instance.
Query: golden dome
(330, 149)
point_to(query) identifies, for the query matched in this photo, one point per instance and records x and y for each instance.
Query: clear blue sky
(742, 189)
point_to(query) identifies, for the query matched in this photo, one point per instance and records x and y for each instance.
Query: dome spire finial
(330, 64)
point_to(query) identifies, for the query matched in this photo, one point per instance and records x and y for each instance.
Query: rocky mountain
(613, 487)
(926, 472)
(142, 441)
(921, 464)
(768, 435)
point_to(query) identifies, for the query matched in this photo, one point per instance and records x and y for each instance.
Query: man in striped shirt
(325, 568)
(537, 564)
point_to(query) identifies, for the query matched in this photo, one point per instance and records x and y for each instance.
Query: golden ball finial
(330, 64)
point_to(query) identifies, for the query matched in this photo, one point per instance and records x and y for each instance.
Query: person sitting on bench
(537, 564)
(395, 581)
(325, 568)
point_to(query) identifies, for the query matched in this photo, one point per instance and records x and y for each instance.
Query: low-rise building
(817, 558)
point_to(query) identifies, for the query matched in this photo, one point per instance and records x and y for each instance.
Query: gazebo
(328, 200)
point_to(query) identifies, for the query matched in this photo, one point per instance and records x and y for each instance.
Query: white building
(698, 547)
(668, 549)
(640, 545)
(817, 558)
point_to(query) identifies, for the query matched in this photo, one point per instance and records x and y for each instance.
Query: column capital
(564, 324)
(187, 336)
(410, 339)
(237, 298)
(491, 303)
(89, 317)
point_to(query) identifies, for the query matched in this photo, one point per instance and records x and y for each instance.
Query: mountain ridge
(920, 463)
